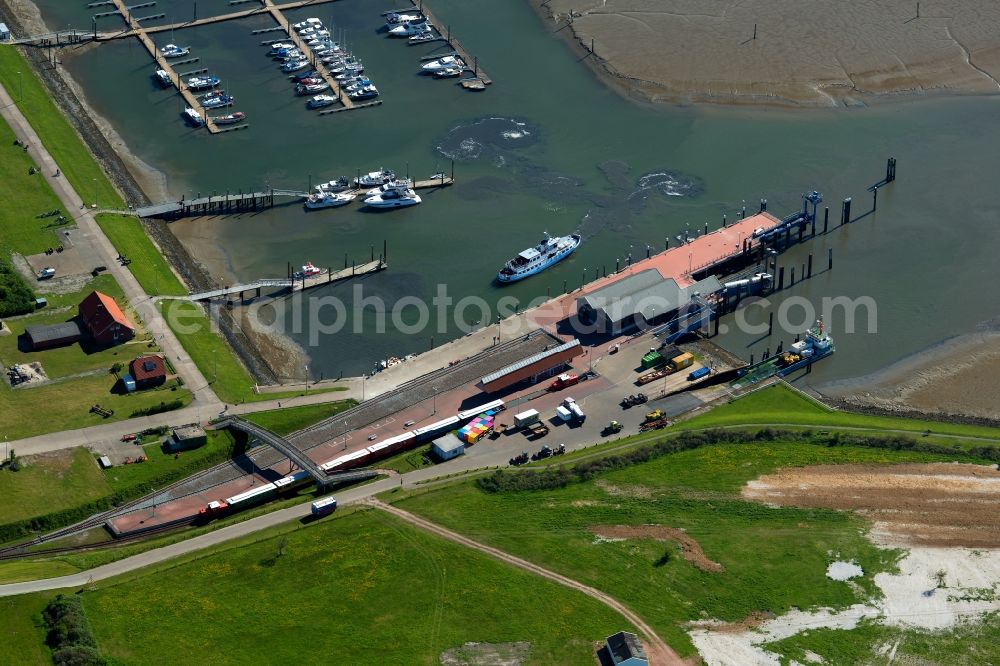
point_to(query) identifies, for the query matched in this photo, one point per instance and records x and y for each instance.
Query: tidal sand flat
(789, 52)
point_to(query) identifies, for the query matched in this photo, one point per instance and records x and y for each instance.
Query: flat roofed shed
(531, 366)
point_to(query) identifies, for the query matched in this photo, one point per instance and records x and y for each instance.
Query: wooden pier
(331, 276)
(293, 283)
(165, 65)
(300, 43)
(471, 62)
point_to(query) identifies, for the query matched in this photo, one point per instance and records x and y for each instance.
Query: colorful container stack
(473, 432)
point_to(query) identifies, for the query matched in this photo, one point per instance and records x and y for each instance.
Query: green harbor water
(548, 147)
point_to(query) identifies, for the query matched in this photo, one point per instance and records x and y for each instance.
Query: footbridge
(240, 289)
(295, 454)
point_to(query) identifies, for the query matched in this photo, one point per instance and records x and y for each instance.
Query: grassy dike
(148, 265)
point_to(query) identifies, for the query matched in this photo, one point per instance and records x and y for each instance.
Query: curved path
(657, 650)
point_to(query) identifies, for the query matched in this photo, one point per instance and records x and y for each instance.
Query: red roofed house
(148, 371)
(104, 320)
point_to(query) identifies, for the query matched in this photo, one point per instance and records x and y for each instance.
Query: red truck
(564, 381)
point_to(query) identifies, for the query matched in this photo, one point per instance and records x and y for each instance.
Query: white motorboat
(394, 19)
(368, 92)
(311, 88)
(375, 178)
(391, 185)
(319, 101)
(408, 29)
(448, 73)
(294, 65)
(196, 83)
(446, 62)
(193, 117)
(341, 184)
(174, 51)
(309, 22)
(395, 197)
(536, 259)
(280, 48)
(328, 200)
(307, 271)
(217, 101)
(427, 36)
(163, 78)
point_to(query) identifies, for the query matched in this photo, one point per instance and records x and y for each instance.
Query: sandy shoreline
(957, 376)
(850, 53)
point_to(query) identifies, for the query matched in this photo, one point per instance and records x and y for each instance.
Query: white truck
(526, 418)
(570, 411)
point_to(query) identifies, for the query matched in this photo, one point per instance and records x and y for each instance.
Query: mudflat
(804, 53)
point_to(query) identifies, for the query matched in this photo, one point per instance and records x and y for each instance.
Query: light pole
(20, 87)
(215, 364)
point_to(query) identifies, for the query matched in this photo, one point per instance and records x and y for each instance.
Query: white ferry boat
(536, 259)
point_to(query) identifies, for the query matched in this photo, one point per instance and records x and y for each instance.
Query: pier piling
(826, 218)
(770, 323)
(809, 273)
(845, 214)
(781, 278)
(875, 198)
(829, 258)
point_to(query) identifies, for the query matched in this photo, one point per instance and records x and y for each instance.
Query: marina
(471, 62)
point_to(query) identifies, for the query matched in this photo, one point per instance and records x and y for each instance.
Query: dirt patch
(690, 548)
(752, 621)
(487, 654)
(940, 504)
(638, 492)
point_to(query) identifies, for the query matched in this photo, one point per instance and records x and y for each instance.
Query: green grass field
(66, 405)
(20, 228)
(361, 588)
(148, 265)
(49, 483)
(772, 558)
(289, 419)
(58, 136)
(24, 635)
(164, 468)
(781, 405)
(408, 461)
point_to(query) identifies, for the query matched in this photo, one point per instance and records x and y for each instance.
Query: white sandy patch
(843, 571)
(935, 589)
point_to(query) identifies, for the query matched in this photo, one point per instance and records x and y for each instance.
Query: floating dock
(471, 62)
(138, 31)
(327, 276)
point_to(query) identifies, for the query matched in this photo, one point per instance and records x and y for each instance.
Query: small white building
(448, 447)
(625, 649)
(4, 33)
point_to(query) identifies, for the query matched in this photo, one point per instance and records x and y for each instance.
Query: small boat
(350, 63)
(308, 271)
(319, 101)
(278, 47)
(341, 184)
(311, 88)
(408, 29)
(163, 78)
(328, 200)
(294, 65)
(395, 19)
(193, 117)
(348, 74)
(446, 62)
(368, 92)
(202, 82)
(231, 119)
(286, 53)
(394, 197)
(309, 22)
(217, 101)
(174, 51)
(391, 185)
(311, 74)
(426, 36)
(309, 80)
(357, 84)
(548, 252)
(448, 73)
(375, 178)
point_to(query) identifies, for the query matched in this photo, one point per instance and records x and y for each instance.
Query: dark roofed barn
(53, 335)
(625, 649)
(148, 371)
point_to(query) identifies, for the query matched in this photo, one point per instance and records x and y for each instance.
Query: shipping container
(680, 362)
(651, 360)
(698, 374)
(564, 413)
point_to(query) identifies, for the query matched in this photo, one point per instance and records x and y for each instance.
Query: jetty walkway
(328, 276)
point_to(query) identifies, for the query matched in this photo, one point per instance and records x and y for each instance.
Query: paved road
(90, 233)
(657, 649)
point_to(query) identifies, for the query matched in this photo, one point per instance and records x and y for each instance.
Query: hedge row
(559, 477)
(15, 295)
(69, 633)
(159, 409)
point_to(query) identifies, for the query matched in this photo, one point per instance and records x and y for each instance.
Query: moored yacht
(408, 29)
(319, 101)
(341, 184)
(395, 197)
(309, 22)
(280, 48)
(443, 63)
(375, 178)
(391, 185)
(328, 200)
(163, 78)
(536, 259)
(311, 88)
(217, 100)
(230, 119)
(193, 117)
(174, 51)
(394, 19)
(202, 82)
(294, 65)
(368, 92)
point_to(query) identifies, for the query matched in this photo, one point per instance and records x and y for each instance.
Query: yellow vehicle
(655, 414)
